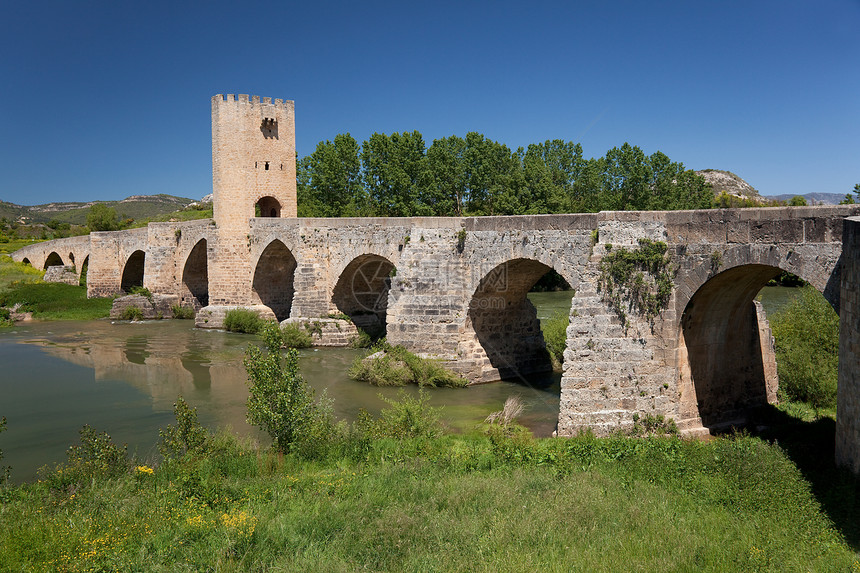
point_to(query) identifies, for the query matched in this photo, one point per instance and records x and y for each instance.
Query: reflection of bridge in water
(162, 363)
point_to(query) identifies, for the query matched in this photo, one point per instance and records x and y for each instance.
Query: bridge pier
(848, 390)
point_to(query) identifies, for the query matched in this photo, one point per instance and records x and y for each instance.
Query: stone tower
(253, 159)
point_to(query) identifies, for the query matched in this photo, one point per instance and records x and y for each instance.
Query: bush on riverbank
(243, 320)
(293, 336)
(396, 366)
(806, 340)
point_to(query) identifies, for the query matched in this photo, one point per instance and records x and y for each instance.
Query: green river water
(123, 378)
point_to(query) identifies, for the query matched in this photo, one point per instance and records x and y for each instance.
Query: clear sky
(106, 99)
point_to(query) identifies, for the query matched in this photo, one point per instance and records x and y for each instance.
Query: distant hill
(730, 183)
(135, 207)
(813, 198)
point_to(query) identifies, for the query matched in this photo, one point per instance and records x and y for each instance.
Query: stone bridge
(455, 289)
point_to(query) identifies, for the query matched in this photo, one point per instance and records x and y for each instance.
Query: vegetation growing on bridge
(640, 277)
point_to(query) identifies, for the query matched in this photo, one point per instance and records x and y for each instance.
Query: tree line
(398, 175)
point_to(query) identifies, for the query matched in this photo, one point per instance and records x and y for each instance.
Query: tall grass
(455, 503)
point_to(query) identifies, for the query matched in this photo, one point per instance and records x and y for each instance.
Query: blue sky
(109, 99)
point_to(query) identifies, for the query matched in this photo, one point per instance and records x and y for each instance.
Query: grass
(21, 285)
(477, 502)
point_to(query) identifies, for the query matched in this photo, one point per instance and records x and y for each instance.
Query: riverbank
(488, 501)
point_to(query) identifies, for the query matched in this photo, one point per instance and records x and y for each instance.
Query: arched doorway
(132, 273)
(506, 323)
(53, 260)
(195, 277)
(268, 207)
(273, 279)
(361, 292)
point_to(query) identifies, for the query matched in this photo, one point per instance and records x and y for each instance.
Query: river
(123, 378)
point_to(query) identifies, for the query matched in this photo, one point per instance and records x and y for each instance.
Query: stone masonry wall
(848, 389)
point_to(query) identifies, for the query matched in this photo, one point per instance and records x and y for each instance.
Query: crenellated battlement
(253, 100)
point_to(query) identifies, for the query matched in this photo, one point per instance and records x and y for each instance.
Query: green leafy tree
(102, 218)
(281, 403)
(447, 164)
(396, 174)
(331, 179)
(494, 177)
(798, 201)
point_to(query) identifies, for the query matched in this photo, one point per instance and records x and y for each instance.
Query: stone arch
(361, 292)
(726, 365)
(132, 272)
(85, 266)
(269, 207)
(72, 258)
(505, 322)
(53, 260)
(26, 261)
(274, 276)
(195, 277)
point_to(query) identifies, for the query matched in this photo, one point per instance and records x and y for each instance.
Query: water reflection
(123, 378)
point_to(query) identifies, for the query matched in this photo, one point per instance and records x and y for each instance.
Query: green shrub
(396, 366)
(281, 403)
(806, 340)
(243, 320)
(407, 417)
(131, 313)
(555, 336)
(295, 337)
(96, 457)
(187, 436)
(182, 312)
(5, 317)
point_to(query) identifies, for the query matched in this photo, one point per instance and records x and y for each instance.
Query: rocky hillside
(136, 207)
(731, 184)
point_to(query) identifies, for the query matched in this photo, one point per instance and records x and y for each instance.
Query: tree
(280, 402)
(447, 164)
(102, 218)
(330, 179)
(797, 201)
(396, 174)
